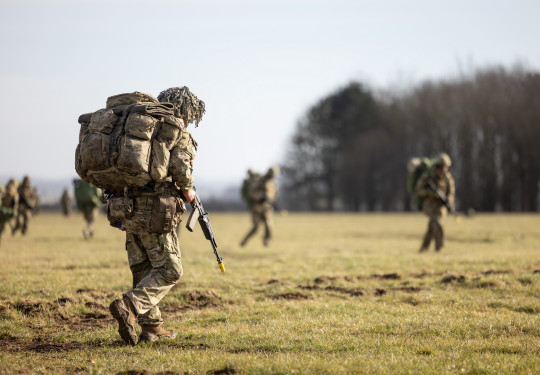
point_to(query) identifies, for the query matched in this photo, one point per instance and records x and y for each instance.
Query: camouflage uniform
(9, 202)
(88, 199)
(65, 202)
(261, 200)
(155, 259)
(432, 205)
(27, 203)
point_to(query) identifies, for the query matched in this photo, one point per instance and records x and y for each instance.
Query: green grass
(334, 293)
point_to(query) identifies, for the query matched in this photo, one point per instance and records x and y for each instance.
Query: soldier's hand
(189, 195)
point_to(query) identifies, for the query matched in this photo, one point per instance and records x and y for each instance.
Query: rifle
(198, 213)
(439, 194)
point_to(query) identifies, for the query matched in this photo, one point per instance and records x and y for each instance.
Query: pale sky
(258, 65)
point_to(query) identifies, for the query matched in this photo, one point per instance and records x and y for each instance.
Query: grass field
(334, 293)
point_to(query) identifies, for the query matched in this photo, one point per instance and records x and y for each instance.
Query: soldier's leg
(164, 255)
(27, 215)
(427, 237)
(255, 218)
(17, 224)
(2, 227)
(268, 223)
(140, 266)
(438, 229)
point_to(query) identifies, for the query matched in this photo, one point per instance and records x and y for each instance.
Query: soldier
(27, 204)
(88, 199)
(248, 185)
(154, 258)
(65, 202)
(9, 202)
(436, 188)
(261, 199)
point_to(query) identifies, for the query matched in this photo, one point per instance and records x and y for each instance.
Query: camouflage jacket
(445, 183)
(181, 163)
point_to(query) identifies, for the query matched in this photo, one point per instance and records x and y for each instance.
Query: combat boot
(154, 333)
(124, 312)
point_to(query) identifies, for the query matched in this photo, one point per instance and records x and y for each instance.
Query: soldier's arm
(181, 163)
(421, 189)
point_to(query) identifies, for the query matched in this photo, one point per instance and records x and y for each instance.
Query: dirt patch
(380, 292)
(62, 301)
(453, 278)
(495, 272)
(333, 288)
(31, 308)
(351, 292)
(195, 301)
(409, 289)
(387, 276)
(290, 296)
(134, 372)
(223, 371)
(536, 271)
(330, 279)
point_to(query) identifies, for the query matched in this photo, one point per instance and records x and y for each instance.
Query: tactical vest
(128, 143)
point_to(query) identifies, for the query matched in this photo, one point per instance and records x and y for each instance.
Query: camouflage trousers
(155, 263)
(435, 212)
(260, 214)
(90, 216)
(22, 220)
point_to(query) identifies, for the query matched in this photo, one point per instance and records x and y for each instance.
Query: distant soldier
(65, 202)
(9, 202)
(248, 186)
(28, 200)
(435, 188)
(261, 197)
(88, 199)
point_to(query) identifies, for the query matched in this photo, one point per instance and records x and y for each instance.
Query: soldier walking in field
(88, 200)
(436, 191)
(28, 200)
(9, 203)
(260, 193)
(65, 202)
(147, 180)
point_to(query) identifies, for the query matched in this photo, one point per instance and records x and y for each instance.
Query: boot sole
(126, 330)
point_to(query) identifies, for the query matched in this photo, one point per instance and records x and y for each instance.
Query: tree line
(350, 149)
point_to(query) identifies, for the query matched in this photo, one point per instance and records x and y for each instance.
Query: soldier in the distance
(9, 202)
(88, 199)
(260, 196)
(65, 202)
(28, 200)
(440, 178)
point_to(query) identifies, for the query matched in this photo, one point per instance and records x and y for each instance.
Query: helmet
(251, 172)
(443, 160)
(186, 105)
(26, 181)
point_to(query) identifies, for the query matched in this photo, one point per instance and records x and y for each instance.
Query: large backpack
(417, 167)
(128, 143)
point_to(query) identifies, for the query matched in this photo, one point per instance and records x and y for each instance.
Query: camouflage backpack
(128, 143)
(416, 167)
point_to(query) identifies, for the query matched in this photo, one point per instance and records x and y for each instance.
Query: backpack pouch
(134, 155)
(94, 152)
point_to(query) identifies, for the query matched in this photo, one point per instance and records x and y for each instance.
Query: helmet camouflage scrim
(186, 105)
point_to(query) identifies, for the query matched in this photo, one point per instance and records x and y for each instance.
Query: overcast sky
(258, 65)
